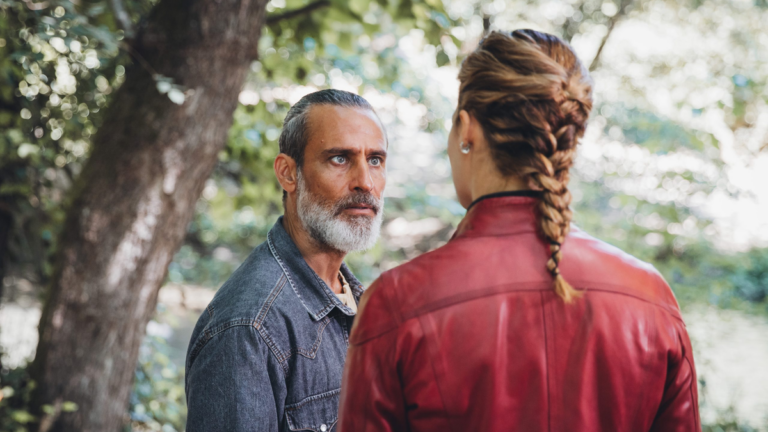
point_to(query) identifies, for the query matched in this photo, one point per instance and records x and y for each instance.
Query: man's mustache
(358, 199)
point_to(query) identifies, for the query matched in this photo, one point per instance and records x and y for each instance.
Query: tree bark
(133, 201)
(311, 7)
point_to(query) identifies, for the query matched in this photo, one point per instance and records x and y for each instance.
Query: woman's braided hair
(532, 96)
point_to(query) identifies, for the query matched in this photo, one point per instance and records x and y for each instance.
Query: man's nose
(362, 180)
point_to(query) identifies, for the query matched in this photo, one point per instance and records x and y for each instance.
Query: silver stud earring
(464, 147)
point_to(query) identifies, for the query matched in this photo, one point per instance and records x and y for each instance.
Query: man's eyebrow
(338, 151)
(348, 151)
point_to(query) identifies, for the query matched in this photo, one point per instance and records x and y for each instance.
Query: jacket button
(323, 427)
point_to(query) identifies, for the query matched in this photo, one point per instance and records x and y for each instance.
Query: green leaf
(22, 416)
(48, 409)
(7, 392)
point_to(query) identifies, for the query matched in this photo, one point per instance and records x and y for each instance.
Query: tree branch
(486, 24)
(46, 423)
(297, 12)
(139, 58)
(35, 6)
(122, 18)
(611, 24)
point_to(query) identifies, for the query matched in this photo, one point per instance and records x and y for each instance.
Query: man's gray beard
(328, 226)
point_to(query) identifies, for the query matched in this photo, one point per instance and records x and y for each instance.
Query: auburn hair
(532, 97)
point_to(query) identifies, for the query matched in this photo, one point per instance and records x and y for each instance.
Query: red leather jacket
(472, 337)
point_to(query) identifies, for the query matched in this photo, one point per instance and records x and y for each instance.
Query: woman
(519, 323)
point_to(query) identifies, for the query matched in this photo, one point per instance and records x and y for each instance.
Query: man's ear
(286, 172)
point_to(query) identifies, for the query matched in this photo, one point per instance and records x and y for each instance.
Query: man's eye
(339, 159)
(375, 161)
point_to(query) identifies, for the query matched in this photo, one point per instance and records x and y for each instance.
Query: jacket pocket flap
(317, 413)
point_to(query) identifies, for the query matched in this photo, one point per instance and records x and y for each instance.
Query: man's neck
(326, 263)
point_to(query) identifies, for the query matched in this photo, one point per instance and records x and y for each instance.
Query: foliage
(157, 400)
(727, 422)
(15, 393)
(58, 67)
(751, 281)
(15, 390)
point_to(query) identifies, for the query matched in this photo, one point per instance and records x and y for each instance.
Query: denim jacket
(268, 352)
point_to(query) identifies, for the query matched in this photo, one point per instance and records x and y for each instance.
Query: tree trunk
(133, 201)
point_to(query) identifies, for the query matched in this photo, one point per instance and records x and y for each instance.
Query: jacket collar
(316, 296)
(498, 215)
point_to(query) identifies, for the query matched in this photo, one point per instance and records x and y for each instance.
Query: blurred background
(673, 167)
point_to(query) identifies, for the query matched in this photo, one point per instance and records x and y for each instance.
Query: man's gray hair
(293, 138)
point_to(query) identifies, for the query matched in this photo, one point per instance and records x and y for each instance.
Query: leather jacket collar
(497, 215)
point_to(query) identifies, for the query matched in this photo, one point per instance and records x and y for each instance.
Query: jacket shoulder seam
(605, 288)
(209, 333)
(496, 290)
(267, 305)
(213, 328)
(447, 302)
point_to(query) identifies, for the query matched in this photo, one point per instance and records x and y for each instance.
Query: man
(268, 353)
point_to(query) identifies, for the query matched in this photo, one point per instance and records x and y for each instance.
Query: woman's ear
(286, 172)
(465, 127)
(470, 131)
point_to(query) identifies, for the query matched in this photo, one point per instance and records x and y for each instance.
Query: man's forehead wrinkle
(331, 123)
(358, 117)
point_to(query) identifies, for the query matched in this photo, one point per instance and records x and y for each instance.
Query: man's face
(340, 184)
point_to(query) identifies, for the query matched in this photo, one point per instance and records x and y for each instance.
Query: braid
(521, 87)
(555, 214)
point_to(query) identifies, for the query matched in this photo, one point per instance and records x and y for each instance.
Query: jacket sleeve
(229, 385)
(679, 409)
(371, 396)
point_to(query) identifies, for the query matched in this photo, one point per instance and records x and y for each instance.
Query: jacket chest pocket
(317, 413)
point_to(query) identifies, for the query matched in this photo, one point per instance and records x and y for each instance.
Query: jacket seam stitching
(315, 315)
(313, 351)
(259, 321)
(299, 404)
(208, 334)
(399, 318)
(273, 348)
(666, 309)
(330, 425)
(332, 301)
(276, 290)
(279, 260)
(492, 291)
(530, 286)
(546, 360)
(434, 371)
(465, 297)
